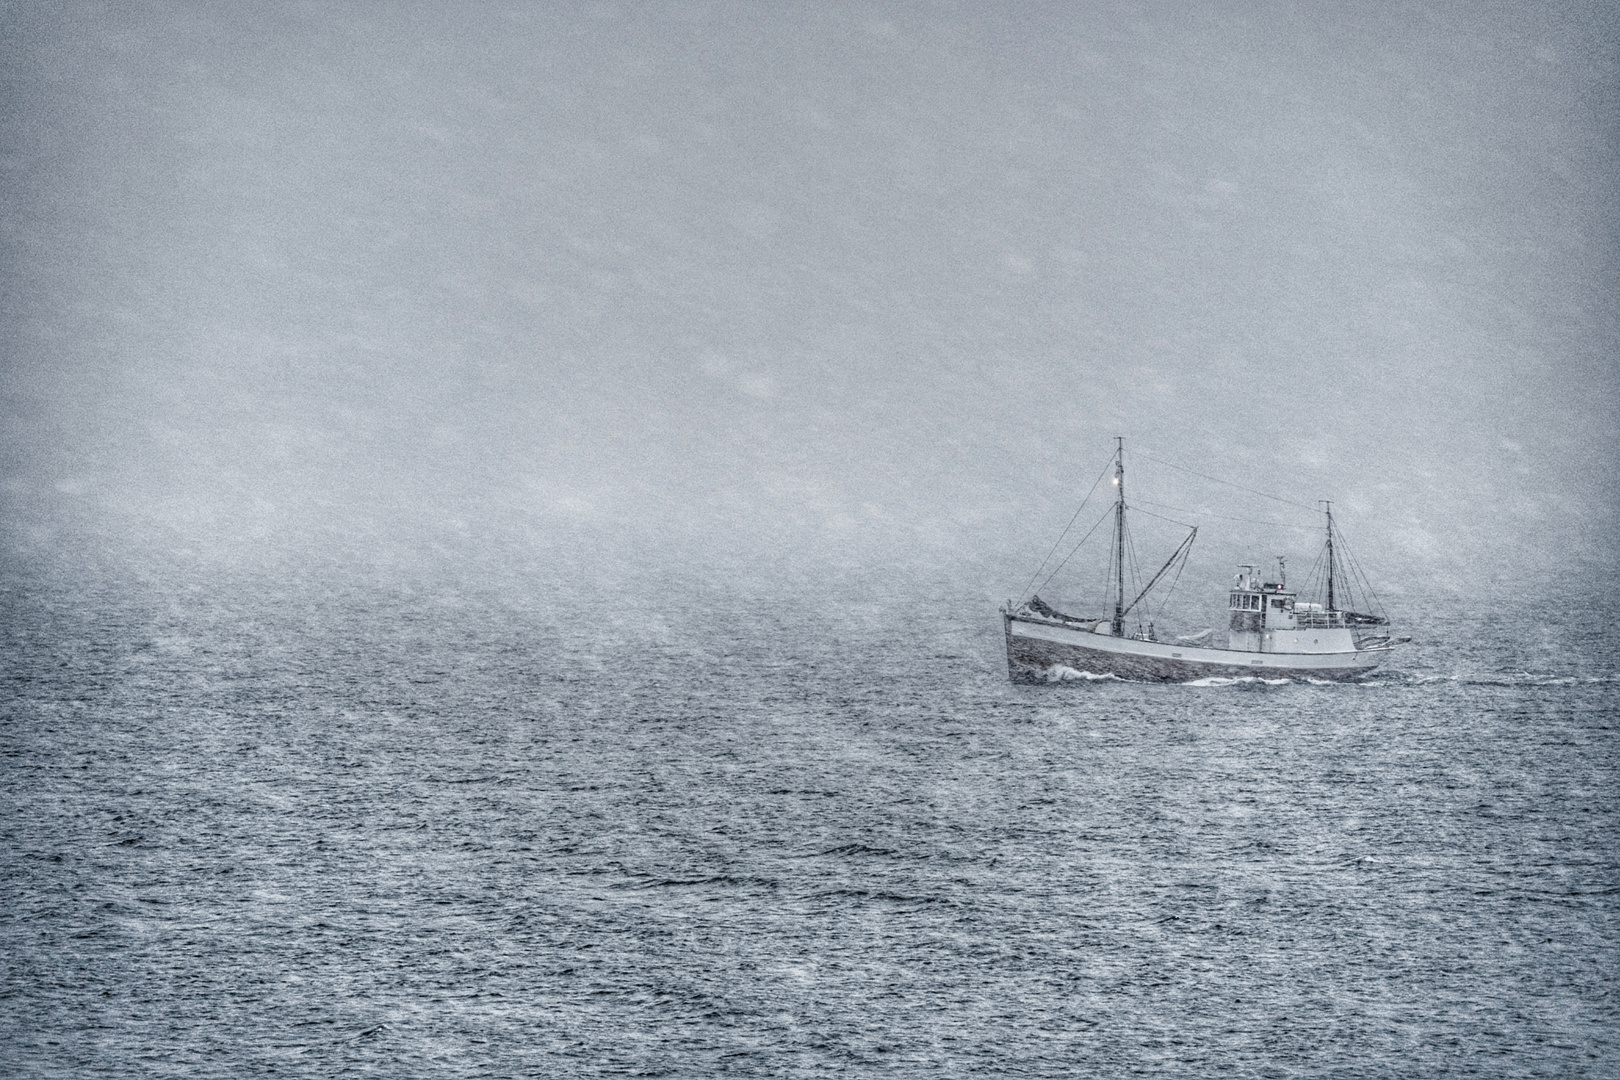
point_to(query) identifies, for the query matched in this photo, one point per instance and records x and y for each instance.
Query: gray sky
(864, 281)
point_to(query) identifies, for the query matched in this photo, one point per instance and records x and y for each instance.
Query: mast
(1330, 554)
(1119, 539)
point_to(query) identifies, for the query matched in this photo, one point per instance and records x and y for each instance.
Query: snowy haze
(841, 285)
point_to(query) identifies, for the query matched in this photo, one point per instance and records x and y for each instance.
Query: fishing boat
(1272, 633)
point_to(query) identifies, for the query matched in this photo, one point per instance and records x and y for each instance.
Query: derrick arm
(1185, 546)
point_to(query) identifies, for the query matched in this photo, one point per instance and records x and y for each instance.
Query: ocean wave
(859, 849)
(722, 880)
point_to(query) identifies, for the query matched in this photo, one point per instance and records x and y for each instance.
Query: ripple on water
(388, 834)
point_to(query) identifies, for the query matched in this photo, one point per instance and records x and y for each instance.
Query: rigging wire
(1223, 517)
(1065, 532)
(1314, 583)
(1127, 550)
(1136, 570)
(1228, 483)
(1161, 517)
(1347, 573)
(1071, 553)
(1108, 573)
(1355, 569)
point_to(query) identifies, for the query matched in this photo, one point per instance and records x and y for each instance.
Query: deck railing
(1319, 620)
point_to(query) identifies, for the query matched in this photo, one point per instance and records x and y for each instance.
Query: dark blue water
(262, 824)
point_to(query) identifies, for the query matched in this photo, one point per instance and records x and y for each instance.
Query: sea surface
(315, 824)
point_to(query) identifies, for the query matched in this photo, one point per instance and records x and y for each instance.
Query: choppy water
(267, 826)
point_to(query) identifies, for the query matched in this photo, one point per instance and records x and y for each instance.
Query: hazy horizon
(847, 285)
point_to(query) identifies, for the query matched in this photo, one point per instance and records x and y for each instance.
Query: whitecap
(1226, 680)
(1060, 673)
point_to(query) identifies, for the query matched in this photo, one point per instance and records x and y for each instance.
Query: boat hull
(1037, 650)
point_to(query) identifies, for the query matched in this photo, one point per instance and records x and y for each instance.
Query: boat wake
(1246, 680)
(1507, 678)
(1059, 673)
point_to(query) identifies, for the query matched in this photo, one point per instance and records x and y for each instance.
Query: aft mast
(1330, 605)
(1119, 538)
